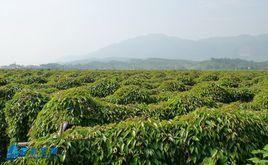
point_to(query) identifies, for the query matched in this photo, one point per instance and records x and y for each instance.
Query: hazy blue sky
(40, 31)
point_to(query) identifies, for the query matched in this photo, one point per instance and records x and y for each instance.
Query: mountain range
(245, 47)
(158, 51)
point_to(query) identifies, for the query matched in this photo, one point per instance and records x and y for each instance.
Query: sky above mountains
(36, 31)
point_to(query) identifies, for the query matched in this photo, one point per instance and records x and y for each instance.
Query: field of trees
(136, 117)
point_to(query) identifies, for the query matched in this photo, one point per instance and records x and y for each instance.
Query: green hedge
(66, 83)
(141, 82)
(8, 91)
(78, 108)
(260, 101)
(132, 94)
(34, 79)
(173, 86)
(209, 76)
(230, 82)
(104, 87)
(64, 106)
(187, 139)
(187, 80)
(242, 94)
(3, 81)
(73, 105)
(21, 111)
(4, 140)
(214, 91)
(86, 79)
(140, 94)
(180, 104)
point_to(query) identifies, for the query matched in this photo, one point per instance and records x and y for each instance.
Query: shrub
(159, 75)
(73, 105)
(258, 79)
(77, 107)
(86, 79)
(8, 91)
(242, 94)
(21, 111)
(4, 140)
(181, 104)
(187, 80)
(209, 76)
(246, 84)
(260, 101)
(141, 82)
(164, 96)
(43, 88)
(132, 94)
(3, 81)
(173, 86)
(232, 82)
(112, 113)
(66, 83)
(223, 136)
(104, 87)
(185, 140)
(34, 79)
(214, 91)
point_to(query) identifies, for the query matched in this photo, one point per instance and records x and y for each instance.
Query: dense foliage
(4, 140)
(74, 106)
(132, 94)
(261, 156)
(21, 112)
(139, 117)
(104, 87)
(184, 140)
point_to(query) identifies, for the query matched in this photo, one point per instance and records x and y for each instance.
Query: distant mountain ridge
(155, 64)
(158, 51)
(246, 47)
